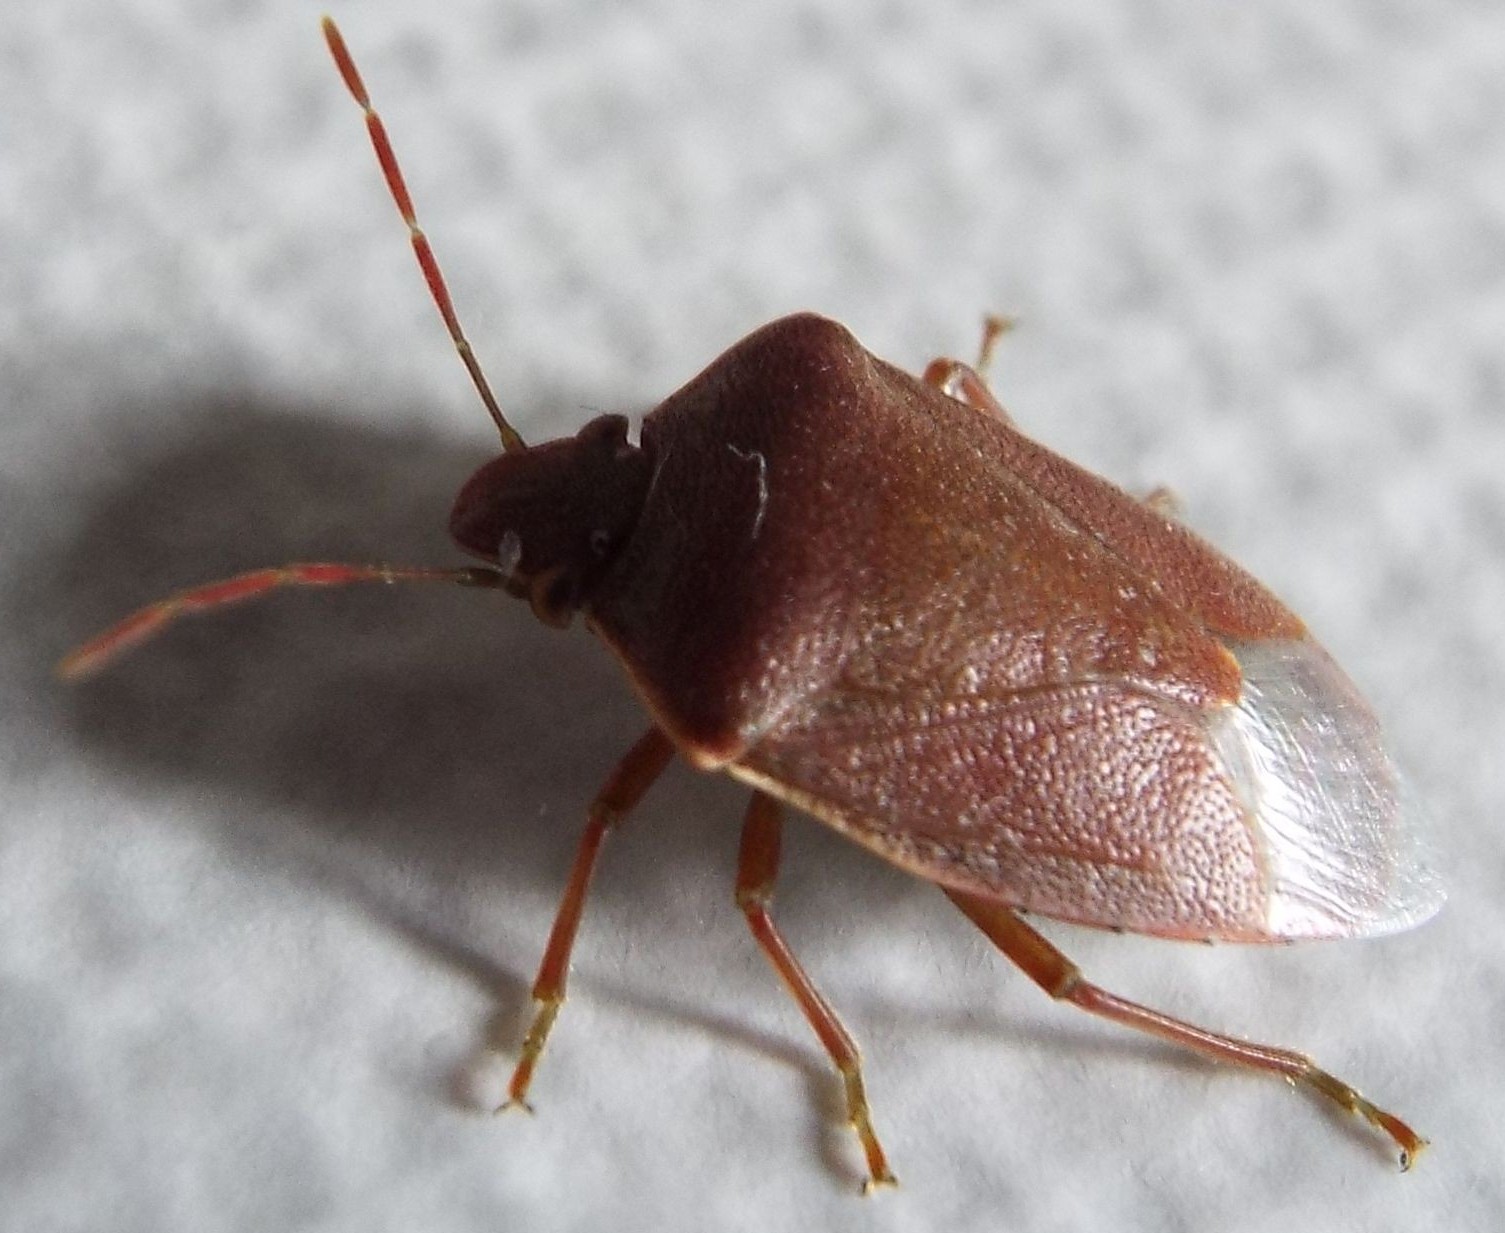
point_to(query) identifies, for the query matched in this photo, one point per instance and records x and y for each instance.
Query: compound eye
(509, 551)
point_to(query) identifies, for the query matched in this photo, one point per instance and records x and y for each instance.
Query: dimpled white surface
(269, 887)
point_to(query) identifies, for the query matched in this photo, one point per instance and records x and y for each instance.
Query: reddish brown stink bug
(868, 596)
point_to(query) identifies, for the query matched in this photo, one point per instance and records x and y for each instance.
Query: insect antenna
(146, 622)
(511, 441)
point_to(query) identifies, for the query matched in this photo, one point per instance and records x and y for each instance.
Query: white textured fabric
(267, 889)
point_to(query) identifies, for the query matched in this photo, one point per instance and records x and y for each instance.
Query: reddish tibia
(1059, 977)
(145, 622)
(511, 441)
(633, 776)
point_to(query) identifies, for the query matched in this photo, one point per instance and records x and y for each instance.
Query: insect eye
(509, 551)
(600, 541)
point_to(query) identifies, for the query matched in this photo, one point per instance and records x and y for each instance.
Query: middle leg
(757, 869)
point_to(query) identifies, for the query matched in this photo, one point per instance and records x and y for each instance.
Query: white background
(267, 889)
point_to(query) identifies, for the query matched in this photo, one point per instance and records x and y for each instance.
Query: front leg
(969, 385)
(633, 776)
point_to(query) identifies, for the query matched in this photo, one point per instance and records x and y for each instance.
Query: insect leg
(969, 385)
(757, 868)
(994, 327)
(1059, 977)
(630, 779)
(1164, 502)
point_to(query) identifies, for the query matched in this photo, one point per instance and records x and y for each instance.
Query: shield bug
(867, 595)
